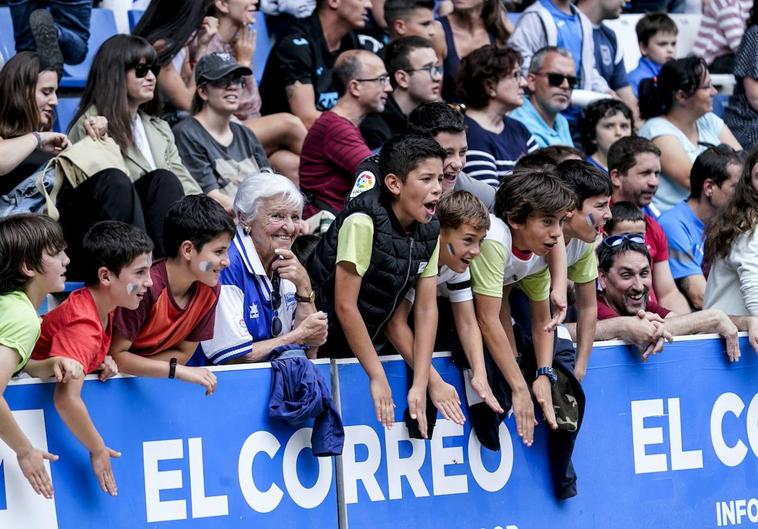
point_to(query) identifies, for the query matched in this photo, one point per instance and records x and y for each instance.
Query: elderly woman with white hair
(266, 306)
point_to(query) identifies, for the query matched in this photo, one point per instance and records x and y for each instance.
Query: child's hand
(382, 397)
(198, 375)
(483, 389)
(101, 465)
(417, 408)
(108, 369)
(446, 399)
(523, 409)
(65, 369)
(560, 307)
(32, 463)
(543, 393)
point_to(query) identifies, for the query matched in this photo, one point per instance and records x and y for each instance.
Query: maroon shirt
(332, 151)
(606, 312)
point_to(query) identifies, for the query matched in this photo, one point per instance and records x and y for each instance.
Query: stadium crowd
(397, 183)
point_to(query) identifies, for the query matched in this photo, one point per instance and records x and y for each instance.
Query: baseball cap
(216, 65)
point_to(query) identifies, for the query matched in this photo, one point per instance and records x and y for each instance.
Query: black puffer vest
(397, 260)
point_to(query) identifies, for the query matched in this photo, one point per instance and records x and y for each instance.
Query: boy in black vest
(382, 244)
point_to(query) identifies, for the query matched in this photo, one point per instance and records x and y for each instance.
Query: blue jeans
(26, 197)
(71, 18)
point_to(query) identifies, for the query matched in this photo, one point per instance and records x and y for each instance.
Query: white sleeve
(231, 338)
(459, 287)
(747, 269)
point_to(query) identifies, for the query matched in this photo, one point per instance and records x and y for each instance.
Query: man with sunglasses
(416, 76)
(552, 77)
(625, 310)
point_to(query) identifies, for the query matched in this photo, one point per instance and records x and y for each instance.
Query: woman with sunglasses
(218, 152)
(491, 85)
(731, 248)
(121, 83)
(678, 107)
(28, 86)
(265, 286)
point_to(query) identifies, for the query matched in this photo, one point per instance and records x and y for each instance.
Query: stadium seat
(262, 45)
(514, 18)
(102, 27)
(65, 113)
(134, 16)
(7, 42)
(720, 102)
(53, 300)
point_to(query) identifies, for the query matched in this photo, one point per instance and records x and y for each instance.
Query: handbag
(77, 164)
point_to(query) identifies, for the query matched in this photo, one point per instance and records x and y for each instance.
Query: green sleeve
(19, 328)
(536, 286)
(432, 267)
(585, 269)
(488, 269)
(355, 240)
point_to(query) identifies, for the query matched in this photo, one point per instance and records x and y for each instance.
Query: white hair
(261, 186)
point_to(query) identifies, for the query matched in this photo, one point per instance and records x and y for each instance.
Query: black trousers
(111, 195)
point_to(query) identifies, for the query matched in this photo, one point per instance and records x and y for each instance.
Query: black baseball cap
(214, 66)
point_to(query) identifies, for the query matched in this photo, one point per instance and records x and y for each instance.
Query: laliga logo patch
(365, 181)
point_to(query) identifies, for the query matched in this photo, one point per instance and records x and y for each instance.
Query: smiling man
(551, 79)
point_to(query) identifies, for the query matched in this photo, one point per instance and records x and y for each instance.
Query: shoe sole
(46, 37)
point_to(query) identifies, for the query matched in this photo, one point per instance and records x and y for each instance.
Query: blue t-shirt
(558, 134)
(644, 70)
(684, 232)
(491, 156)
(569, 32)
(709, 129)
(609, 57)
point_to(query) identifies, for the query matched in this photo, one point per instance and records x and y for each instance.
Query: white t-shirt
(455, 286)
(140, 141)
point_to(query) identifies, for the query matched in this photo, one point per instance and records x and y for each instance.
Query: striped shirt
(332, 151)
(721, 28)
(491, 156)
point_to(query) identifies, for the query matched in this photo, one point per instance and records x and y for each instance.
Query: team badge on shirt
(365, 181)
(253, 311)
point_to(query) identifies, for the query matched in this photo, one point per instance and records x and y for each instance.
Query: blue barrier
(671, 443)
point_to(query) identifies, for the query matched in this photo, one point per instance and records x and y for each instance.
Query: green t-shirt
(355, 241)
(19, 325)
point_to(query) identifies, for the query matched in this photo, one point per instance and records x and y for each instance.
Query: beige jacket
(162, 145)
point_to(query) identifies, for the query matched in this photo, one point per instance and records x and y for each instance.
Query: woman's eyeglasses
(141, 69)
(616, 240)
(276, 302)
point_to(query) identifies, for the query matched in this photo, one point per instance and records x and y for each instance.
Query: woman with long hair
(731, 249)
(28, 86)
(678, 107)
(742, 113)
(491, 85)
(471, 25)
(121, 83)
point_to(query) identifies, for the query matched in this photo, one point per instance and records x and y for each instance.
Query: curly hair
(481, 69)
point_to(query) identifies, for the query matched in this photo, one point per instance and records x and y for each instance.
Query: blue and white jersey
(244, 313)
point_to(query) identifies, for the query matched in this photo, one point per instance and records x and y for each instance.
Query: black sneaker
(46, 38)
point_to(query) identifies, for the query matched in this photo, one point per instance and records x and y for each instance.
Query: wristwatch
(549, 372)
(310, 298)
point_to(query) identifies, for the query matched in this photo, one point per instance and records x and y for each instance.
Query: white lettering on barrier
(496, 480)
(442, 457)
(202, 506)
(410, 467)
(307, 498)
(260, 501)
(23, 506)
(363, 471)
(729, 455)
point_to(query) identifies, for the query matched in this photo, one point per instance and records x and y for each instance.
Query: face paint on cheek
(205, 266)
(590, 219)
(450, 248)
(131, 288)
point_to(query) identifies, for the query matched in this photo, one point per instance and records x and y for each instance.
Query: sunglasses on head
(556, 79)
(616, 240)
(276, 302)
(141, 69)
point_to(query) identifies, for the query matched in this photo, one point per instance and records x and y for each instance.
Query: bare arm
(13, 151)
(693, 288)
(665, 289)
(178, 91)
(586, 303)
(71, 408)
(347, 287)
(626, 94)
(675, 163)
(301, 98)
(543, 351)
(557, 262)
(727, 137)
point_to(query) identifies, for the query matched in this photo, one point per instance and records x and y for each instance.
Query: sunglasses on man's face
(140, 70)
(556, 79)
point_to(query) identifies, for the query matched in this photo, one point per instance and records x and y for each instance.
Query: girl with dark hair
(471, 25)
(605, 121)
(678, 107)
(121, 81)
(731, 249)
(490, 83)
(742, 113)
(28, 85)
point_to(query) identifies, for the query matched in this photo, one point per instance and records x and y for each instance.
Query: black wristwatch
(172, 368)
(310, 298)
(549, 372)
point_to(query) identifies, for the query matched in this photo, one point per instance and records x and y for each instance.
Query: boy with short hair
(116, 264)
(405, 18)
(626, 217)
(385, 242)
(178, 311)
(656, 36)
(32, 265)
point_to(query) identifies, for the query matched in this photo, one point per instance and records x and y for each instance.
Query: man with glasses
(551, 79)
(334, 148)
(416, 76)
(625, 310)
